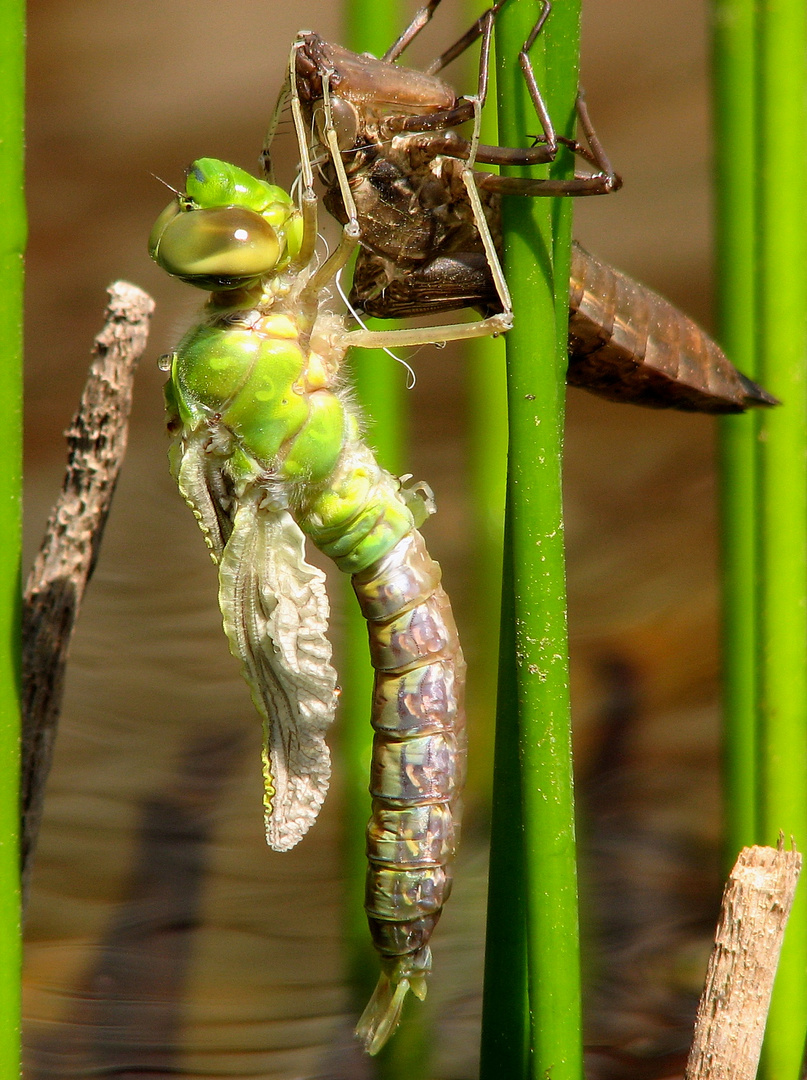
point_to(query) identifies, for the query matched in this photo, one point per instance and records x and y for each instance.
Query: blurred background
(163, 938)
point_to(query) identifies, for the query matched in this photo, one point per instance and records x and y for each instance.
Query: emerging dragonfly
(268, 450)
(431, 224)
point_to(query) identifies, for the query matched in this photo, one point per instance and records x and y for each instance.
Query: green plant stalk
(506, 1034)
(12, 244)
(782, 227)
(537, 238)
(734, 98)
(487, 441)
(370, 26)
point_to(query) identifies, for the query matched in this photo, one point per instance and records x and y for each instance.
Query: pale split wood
(96, 443)
(736, 996)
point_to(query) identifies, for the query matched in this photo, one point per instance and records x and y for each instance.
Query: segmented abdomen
(628, 343)
(368, 523)
(419, 749)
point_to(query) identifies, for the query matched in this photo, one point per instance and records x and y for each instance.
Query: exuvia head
(227, 229)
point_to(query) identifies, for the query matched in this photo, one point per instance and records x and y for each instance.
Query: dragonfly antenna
(165, 183)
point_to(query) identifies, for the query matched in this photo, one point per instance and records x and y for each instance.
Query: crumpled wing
(275, 611)
(203, 486)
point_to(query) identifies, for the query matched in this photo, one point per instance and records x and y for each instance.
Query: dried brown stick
(737, 994)
(96, 443)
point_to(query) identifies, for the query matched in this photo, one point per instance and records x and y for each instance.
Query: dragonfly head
(227, 229)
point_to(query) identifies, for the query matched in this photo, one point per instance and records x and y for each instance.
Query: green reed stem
(487, 442)
(782, 298)
(12, 244)
(370, 26)
(734, 64)
(533, 880)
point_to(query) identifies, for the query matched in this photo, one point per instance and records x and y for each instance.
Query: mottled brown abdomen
(629, 344)
(417, 771)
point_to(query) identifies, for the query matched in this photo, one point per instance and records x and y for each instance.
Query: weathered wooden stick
(737, 994)
(96, 443)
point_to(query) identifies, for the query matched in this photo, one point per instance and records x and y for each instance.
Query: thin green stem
(534, 688)
(487, 442)
(782, 298)
(12, 76)
(734, 64)
(506, 1033)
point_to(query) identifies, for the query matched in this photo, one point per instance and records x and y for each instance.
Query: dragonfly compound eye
(215, 247)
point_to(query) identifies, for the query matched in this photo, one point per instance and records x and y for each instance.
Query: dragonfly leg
(548, 139)
(422, 18)
(544, 150)
(464, 109)
(480, 220)
(467, 39)
(600, 159)
(266, 151)
(428, 335)
(602, 182)
(546, 144)
(308, 197)
(351, 230)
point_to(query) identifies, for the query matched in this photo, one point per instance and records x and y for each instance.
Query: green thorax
(253, 379)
